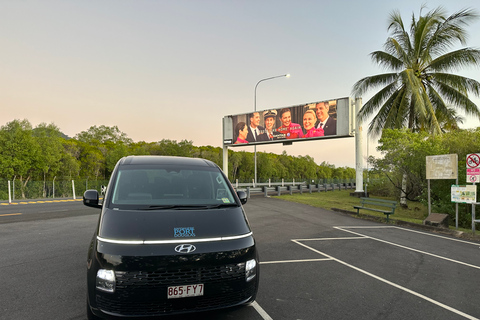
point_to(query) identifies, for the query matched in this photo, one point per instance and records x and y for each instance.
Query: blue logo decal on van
(184, 232)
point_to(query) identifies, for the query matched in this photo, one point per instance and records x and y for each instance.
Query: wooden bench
(377, 203)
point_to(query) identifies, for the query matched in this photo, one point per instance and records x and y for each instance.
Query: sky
(161, 69)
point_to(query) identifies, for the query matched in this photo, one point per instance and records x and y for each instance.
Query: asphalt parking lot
(315, 264)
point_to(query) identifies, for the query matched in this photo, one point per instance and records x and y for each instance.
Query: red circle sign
(473, 160)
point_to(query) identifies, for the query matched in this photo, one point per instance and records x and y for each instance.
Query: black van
(172, 237)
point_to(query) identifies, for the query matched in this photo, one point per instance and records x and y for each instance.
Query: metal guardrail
(299, 188)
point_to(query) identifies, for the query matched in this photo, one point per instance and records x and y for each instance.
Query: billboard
(309, 121)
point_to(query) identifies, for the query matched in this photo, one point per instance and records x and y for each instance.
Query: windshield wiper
(176, 207)
(159, 207)
(221, 205)
(190, 207)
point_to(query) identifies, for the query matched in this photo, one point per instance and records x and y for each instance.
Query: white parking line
(412, 249)
(391, 283)
(411, 230)
(291, 261)
(341, 238)
(260, 311)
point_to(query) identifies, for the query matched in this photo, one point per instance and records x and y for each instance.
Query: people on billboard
(309, 120)
(241, 131)
(288, 129)
(255, 131)
(269, 118)
(325, 122)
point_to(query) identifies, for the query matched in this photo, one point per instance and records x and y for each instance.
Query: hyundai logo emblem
(185, 248)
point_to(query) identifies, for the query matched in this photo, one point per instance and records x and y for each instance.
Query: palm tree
(420, 89)
(420, 93)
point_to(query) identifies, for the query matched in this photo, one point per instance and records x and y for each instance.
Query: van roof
(165, 160)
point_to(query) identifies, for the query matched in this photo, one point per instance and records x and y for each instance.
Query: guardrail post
(310, 188)
(248, 192)
(300, 187)
(318, 187)
(279, 192)
(289, 188)
(265, 191)
(333, 186)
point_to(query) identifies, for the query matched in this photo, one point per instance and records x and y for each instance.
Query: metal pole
(358, 147)
(429, 203)
(456, 208)
(255, 110)
(13, 193)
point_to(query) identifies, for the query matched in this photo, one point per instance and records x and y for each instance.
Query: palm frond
(387, 60)
(377, 100)
(372, 82)
(457, 59)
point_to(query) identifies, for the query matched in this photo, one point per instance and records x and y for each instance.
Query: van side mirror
(242, 195)
(90, 198)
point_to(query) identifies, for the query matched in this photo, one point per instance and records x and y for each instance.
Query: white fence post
(9, 193)
(73, 188)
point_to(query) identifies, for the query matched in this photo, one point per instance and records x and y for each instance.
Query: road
(314, 264)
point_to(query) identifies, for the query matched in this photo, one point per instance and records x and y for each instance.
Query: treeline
(44, 153)
(404, 153)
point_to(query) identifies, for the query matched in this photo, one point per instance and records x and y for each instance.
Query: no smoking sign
(473, 167)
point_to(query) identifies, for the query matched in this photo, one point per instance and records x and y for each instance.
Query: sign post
(473, 175)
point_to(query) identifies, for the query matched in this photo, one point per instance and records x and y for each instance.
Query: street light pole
(255, 110)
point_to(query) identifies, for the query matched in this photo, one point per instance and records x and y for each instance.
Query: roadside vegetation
(415, 213)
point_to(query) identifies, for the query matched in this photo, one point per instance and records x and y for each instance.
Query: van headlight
(105, 280)
(250, 269)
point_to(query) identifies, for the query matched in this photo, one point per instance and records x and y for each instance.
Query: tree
(18, 151)
(102, 134)
(48, 138)
(420, 87)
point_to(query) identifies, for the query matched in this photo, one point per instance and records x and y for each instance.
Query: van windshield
(169, 186)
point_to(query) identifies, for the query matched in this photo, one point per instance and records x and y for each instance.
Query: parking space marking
(260, 311)
(465, 315)
(293, 261)
(340, 238)
(410, 230)
(38, 201)
(411, 249)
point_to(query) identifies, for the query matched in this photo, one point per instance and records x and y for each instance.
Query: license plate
(191, 290)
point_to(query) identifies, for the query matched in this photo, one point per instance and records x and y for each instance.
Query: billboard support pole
(358, 147)
(225, 160)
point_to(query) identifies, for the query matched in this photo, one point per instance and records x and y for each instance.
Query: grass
(415, 213)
